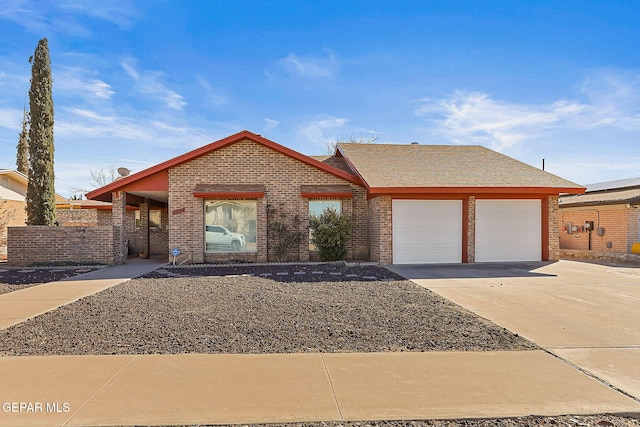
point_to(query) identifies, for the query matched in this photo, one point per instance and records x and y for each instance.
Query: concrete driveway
(587, 314)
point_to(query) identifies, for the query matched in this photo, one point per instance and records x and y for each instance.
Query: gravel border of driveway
(603, 420)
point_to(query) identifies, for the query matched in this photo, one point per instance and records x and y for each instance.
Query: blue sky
(139, 82)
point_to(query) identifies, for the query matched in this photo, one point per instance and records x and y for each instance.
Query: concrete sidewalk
(275, 388)
(18, 306)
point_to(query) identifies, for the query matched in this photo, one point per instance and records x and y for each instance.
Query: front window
(230, 225)
(154, 219)
(316, 207)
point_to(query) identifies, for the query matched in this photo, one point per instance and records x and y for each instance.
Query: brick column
(471, 230)
(381, 239)
(118, 212)
(144, 228)
(303, 247)
(554, 228)
(196, 243)
(262, 254)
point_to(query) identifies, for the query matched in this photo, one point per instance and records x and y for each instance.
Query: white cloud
(69, 16)
(270, 124)
(213, 96)
(80, 124)
(76, 80)
(11, 118)
(151, 83)
(27, 14)
(614, 96)
(321, 129)
(120, 13)
(311, 66)
(476, 118)
(130, 70)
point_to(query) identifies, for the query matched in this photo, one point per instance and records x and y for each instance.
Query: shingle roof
(445, 166)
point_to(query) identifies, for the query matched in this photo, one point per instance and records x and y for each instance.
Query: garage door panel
(508, 230)
(427, 231)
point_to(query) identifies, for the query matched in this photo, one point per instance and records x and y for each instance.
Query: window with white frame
(316, 208)
(230, 225)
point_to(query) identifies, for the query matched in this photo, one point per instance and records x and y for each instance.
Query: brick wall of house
(620, 228)
(74, 244)
(380, 233)
(247, 162)
(158, 237)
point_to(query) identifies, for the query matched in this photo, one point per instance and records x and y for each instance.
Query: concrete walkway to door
(587, 314)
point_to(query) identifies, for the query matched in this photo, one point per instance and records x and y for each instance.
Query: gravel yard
(251, 314)
(529, 421)
(268, 309)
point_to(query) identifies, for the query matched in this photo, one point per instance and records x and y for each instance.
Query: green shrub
(330, 233)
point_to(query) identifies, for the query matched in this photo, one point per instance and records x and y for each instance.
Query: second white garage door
(508, 230)
(427, 231)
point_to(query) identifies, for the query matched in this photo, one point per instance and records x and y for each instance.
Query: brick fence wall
(77, 217)
(74, 244)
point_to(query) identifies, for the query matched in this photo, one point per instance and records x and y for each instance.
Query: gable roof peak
(213, 146)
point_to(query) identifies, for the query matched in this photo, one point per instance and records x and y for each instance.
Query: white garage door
(427, 231)
(508, 230)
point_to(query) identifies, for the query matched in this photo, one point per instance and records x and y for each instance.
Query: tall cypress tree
(22, 158)
(41, 203)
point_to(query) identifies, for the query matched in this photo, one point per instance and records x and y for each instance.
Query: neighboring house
(606, 218)
(13, 189)
(409, 203)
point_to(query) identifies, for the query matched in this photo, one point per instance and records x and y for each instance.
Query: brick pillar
(262, 254)
(471, 230)
(144, 228)
(118, 212)
(196, 243)
(554, 228)
(384, 230)
(347, 210)
(303, 212)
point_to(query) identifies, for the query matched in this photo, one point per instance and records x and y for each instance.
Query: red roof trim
(229, 194)
(327, 195)
(339, 153)
(245, 134)
(472, 190)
